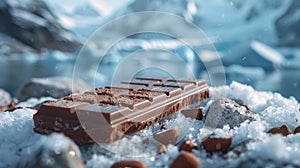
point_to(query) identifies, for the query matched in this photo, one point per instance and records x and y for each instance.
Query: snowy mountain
(231, 25)
(225, 20)
(35, 26)
(84, 17)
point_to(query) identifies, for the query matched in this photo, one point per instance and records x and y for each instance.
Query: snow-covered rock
(55, 87)
(55, 150)
(224, 111)
(32, 23)
(5, 98)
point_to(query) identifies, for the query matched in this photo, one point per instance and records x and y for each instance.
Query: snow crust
(19, 143)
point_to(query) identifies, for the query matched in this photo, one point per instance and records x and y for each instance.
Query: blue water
(16, 71)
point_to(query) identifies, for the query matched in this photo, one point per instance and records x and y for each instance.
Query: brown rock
(284, 130)
(212, 144)
(195, 113)
(168, 136)
(1, 108)
(297, 130)
(129, 164)
(185, 160)
(188, 146)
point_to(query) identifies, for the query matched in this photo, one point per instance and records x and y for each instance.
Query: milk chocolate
(107, 114)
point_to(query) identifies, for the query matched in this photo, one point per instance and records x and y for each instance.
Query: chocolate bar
(106, 114)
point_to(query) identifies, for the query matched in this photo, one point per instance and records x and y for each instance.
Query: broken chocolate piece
(129, 164)
(187, 146)
(168, 136)
(284, 130)
(195, 113)
(106, 114)
(212, 144)
(297, 130)
(185, 160)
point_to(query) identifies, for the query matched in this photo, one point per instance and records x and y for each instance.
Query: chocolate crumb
(297, 130)
(284, 130)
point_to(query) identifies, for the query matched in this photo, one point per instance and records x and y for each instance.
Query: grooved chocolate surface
(107, 114)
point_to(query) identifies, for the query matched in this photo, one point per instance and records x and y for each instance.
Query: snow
(254, 99)
(28, 19)
(220, 133)
(5, 98)
(275, 149)
(83, 24)
(249, 131)
(17, 138)
(19, 143)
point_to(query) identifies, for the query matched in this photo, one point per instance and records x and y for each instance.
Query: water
(15, 71)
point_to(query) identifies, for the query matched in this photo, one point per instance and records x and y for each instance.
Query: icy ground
(251, 145)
